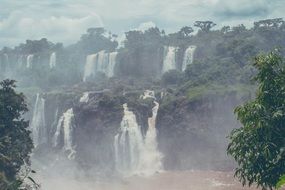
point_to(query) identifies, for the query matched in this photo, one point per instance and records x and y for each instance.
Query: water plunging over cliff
(65, 127)
(52, 60)
(38, 125)
(151, 160)
(169, 60)
(84, 97)
(135, 153)
(100, 62)
(112, 63)
(90, 66)
(30, 59)
(188, 57)
(128, 143)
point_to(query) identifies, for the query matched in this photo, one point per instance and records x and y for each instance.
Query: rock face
(88, 136)
(192, 134)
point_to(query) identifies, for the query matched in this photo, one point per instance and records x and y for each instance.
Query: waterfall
(128, 144)
(30, 59)
(52, 60)
(100, 62)
(169, 61)
(188, 57)
(90, 66)
(135, 153)
(112, 64)
(64, 128)
(84, 97)
(38, 125)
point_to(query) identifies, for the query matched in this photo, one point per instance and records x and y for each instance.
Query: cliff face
(96, 121)
(192, 134)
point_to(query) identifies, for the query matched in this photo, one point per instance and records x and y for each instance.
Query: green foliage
(172, 77)
(15, 142)
(259, 146)
(281, 182)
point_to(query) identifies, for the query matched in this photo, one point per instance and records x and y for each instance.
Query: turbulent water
(188, 57)
(169, 61)
(134, 152)
(65, 127)
(100, 62)
(30, 59)
(52, 60)
(128, 144)
(38, 124)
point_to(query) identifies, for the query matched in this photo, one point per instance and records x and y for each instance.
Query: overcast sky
(65, 20)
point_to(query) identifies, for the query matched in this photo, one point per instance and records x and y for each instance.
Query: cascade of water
(100, 62)
(30, 59)
(38, 125)
(90, 66)
(84, 97)
(169, 61)
(151, 158)
(134, 153)
(128, 144)
(65, 127)
(52, 60)
(112, 64)
(188, 57)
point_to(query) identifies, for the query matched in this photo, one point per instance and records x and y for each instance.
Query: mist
(135, 96)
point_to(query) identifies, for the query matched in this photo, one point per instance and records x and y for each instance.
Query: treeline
(222, 55)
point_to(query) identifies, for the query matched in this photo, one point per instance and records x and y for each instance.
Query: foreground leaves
(259, 146)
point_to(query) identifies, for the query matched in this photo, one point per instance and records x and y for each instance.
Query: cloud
(66, 20)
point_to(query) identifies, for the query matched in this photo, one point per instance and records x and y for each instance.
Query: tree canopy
(15, 142)
(259, 146)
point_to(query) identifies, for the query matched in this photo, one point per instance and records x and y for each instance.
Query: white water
(90, 66)
(30, 59)
(169, 61)
(151, 160)
(38, 125)
(135, 153)
(188, 57)
(100, 62)
(128, 144)
(112, 64)
(65, 127)
(52, 60)
(84, 97)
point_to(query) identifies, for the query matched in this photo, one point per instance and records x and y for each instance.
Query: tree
(269, 23)
(259, 146)
(15, 142)
(205, 26)
(96, 31)
(186, 31)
